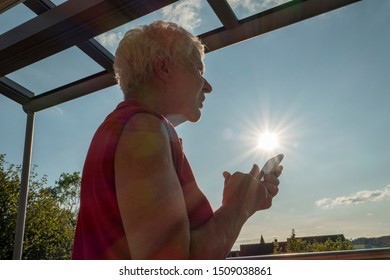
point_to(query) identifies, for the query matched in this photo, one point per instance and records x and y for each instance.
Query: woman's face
(189, 90)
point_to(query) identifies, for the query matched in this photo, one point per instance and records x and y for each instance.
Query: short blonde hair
(141, 45)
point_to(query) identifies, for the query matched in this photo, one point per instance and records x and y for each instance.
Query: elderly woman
(139, 198)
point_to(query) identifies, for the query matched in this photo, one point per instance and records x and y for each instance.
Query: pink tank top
(99, 231)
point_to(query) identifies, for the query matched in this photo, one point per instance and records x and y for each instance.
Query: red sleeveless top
(99, 231)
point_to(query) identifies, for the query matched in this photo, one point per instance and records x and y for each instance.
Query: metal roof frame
(76, 23)
(8, 4)
(57, 28)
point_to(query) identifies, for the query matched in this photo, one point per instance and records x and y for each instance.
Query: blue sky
(322, 85)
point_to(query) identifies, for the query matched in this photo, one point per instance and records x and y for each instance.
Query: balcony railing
(363, 254)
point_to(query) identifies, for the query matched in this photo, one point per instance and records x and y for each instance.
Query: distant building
(263, 248)
(256, 249)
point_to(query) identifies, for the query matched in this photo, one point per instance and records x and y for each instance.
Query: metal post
(21, 216)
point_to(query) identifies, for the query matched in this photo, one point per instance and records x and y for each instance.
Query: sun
(268, 141)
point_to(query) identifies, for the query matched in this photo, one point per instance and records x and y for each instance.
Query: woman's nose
(207, 87)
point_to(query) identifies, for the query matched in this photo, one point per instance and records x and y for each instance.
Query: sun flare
(265, 134)
(268, 141)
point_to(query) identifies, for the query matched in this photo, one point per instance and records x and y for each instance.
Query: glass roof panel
(195, 15)
(246, 8)
(14, 17)
(57, 70)
(58, 2)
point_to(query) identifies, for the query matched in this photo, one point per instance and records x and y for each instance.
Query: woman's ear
(162, 68)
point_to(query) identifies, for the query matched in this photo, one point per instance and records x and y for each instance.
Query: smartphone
(272, 163)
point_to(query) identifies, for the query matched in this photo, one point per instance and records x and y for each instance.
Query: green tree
(276, 247)
(9, 191)
(67, 191)
(51, 213)
(296, 245)
(330, 245)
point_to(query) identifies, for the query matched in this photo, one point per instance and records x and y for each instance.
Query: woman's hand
(249, 194)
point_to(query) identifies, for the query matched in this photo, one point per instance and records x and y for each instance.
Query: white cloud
(355, 198)
(185, 13)
(109, 39)
(253, 6)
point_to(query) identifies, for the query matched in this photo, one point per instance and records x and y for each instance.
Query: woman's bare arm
(152, 205)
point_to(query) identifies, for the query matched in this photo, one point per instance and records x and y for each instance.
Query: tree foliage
(51, 213)
(297, 245)
(276, 247)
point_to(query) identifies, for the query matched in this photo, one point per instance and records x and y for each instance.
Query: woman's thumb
(226, 175)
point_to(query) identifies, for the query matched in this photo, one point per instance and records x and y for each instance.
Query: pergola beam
(253, 26)
(8, 4)
(224, 13)
(66, 25)
(92, 48)
(98, 53)
(15, 91)
(39, 6)
(270, 20)
(71, 91)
